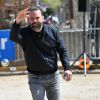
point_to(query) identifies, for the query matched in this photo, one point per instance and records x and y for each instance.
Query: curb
(13, 69)
(5, 71)
(20, 70)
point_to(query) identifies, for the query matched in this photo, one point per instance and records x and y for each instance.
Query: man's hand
(22, 15)
(67, 75)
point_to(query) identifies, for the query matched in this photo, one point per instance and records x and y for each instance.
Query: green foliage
(53, 3)
(49, 11)
(4, 23)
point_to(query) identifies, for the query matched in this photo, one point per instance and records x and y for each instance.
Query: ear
(43, 18)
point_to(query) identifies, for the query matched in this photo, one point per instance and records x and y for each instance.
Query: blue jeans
(41, 84)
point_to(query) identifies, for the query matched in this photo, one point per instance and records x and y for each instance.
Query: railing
(73, 39)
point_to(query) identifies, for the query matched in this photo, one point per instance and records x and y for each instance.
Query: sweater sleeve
(15, 35)
(62, 51)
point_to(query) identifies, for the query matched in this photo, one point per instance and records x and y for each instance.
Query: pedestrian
(41, 44)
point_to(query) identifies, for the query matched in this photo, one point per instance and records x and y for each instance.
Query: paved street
(79, 88)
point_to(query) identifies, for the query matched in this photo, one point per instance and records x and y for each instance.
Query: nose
(34, 20)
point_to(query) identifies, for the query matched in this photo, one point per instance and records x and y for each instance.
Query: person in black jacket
(41, 44)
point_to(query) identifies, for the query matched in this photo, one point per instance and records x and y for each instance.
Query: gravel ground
(81, 87)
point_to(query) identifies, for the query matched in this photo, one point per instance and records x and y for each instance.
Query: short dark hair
(35, 8)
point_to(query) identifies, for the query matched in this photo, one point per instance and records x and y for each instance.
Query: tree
(1, 2)
(48, 12)
(54, 5)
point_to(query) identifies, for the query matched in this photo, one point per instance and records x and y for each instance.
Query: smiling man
(41, 43)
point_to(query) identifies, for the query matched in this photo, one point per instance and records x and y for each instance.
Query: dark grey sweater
(40, 49)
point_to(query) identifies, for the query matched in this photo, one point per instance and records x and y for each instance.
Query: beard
(36, 27)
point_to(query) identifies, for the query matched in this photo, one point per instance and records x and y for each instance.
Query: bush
(4, 23)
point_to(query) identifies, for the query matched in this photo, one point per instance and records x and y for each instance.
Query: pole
(84, 49)
(71, 13)
(37, 2)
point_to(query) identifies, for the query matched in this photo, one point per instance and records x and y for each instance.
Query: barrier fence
(73, 39)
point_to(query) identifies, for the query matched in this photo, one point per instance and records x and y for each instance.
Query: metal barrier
(19, 53)
(73, 39)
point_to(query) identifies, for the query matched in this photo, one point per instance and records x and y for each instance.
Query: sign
(7, 50)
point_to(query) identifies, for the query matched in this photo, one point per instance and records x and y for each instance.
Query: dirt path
(79, 88)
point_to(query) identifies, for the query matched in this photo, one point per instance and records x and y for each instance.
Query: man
(40, 44)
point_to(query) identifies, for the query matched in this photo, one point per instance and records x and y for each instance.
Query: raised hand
(22, 15)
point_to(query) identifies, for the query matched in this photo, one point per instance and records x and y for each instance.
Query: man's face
(35, 20)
